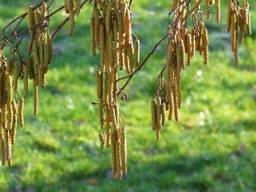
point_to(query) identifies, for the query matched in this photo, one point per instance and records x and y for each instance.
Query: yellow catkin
(249, 25)
(128, 28)
(35, 99)
(2, 137)
(37, 18)
(97, 25)
(153, 114)
(206, 55)
(182, 48)
(175, 104)
(3, 150)
(189, 48)
(50, 49)
(93, 39)
(36, 63)
(158, 117)
(14, 107)
(13, 130)
(4, 116)
(31, 22)
(102, 43)
(137, 52)
(77, 6)
(108, 17)
(218, 11)
(44, 9)
(70, 7)
(9, 88)
(9, 116)
(46, 55)
(102, 140)
(113, 147)
(110, 50)
(99, 79)
(229, 15)
(123, 150)
(129, 52)
(21, 112)
(205, 46)
(179, 56)
(101, 113)
(25, 80)
(118, 157)
(108, 120)
(9, 148)
(163, 113)
(193, 44)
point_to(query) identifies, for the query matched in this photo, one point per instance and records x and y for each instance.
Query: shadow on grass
(180, 173)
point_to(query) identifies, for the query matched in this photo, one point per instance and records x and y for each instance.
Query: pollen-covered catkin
(35, 99)
(137, 52)
(111, 34)
(71, 12)
(31, 22)
(218, 11)
(25, 80)
(21, 112)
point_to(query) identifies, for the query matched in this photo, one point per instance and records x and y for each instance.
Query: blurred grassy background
(212, 148)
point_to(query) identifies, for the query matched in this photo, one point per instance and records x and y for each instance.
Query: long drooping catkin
(218, 11)
(21, 112)
(182, 43)
(111, 34)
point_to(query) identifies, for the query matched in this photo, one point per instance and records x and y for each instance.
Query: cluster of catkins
(11, 108)
(111, 32)
(182, 46)
(16, 67)
(40, 49)
(238, 23)
(72, 8)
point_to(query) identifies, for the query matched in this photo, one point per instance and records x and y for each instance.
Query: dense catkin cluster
(40, 50)
(119, 49)
(182, 46)
(238, 23)
(11, 108)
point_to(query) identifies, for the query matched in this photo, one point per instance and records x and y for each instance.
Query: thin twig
(129, 77)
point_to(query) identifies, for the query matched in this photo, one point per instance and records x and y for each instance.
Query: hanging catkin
(182, 44)
(111, 34)
(238, 23)
(8, 108)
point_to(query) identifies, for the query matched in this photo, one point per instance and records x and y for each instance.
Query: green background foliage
(212, 148)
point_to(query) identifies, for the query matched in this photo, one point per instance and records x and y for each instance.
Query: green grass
(212, 148)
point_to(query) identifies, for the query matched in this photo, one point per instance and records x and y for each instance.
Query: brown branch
(60, 27)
